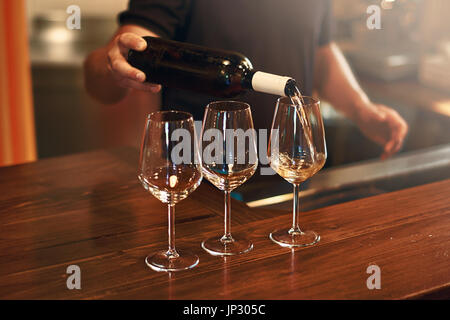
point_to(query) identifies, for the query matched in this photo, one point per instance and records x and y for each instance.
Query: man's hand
(125, 75)
(107, 74)
(336, 83)
(384, 126)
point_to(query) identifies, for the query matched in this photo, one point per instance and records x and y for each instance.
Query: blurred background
(405, 65)
(67, 119)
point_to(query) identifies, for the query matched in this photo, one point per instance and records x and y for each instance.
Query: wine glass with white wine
(229, 159)
(297, 151)
(170, 175)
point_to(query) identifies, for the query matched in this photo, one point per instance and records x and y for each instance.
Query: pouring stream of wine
(298, 102)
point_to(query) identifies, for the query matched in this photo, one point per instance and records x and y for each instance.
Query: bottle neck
(269, 83)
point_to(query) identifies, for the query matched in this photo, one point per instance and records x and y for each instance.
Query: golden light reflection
(442, 107)
(173, 181)
(277, 199)
(58, 35)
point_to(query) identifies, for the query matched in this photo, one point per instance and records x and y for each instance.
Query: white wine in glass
(169, 179)
(171, 184)
(297, 151)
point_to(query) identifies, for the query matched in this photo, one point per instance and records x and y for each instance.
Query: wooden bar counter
(89, 210)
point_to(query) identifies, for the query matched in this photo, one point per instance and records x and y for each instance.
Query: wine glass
(297, 151)
(170, 169)
(229, 159)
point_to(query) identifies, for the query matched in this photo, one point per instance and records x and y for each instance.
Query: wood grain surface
(90, 210)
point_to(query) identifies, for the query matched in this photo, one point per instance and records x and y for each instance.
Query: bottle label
(269, 83)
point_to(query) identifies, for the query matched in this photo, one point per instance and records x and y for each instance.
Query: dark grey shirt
(278, 36)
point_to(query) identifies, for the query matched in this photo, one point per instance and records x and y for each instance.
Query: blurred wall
(91, 7)
(67, 119)
(435, 24)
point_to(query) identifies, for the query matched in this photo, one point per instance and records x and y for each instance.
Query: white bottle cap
(269, 83)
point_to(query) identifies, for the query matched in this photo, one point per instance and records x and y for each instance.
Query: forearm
(99, 81)
(335, 83)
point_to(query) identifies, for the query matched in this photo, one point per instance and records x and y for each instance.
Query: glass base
(217, 247)
(286, 238)
(160, 261)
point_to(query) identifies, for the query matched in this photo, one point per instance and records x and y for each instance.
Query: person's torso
(278, 37)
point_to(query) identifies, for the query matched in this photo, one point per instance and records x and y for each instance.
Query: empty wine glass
(170, 169)
(229, 159)
(297, 151)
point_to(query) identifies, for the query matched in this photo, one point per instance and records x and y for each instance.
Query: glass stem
(227, 219)
(172, 252)
(296, 212)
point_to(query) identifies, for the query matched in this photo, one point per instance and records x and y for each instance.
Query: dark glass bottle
(215, 72)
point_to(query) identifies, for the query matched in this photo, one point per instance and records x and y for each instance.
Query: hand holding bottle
(123, 73)
(186, 66)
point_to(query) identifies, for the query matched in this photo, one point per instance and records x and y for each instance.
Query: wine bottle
(212, 71)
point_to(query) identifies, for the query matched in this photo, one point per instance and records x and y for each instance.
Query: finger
(399, 130)
(127, 41)
(398, 145)
(398, 123)
(399, 135)
(386, 155)
(121, 69)
(395, 144)
(150, 87)
(131, 84)
(403, 130)
(387, 152)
